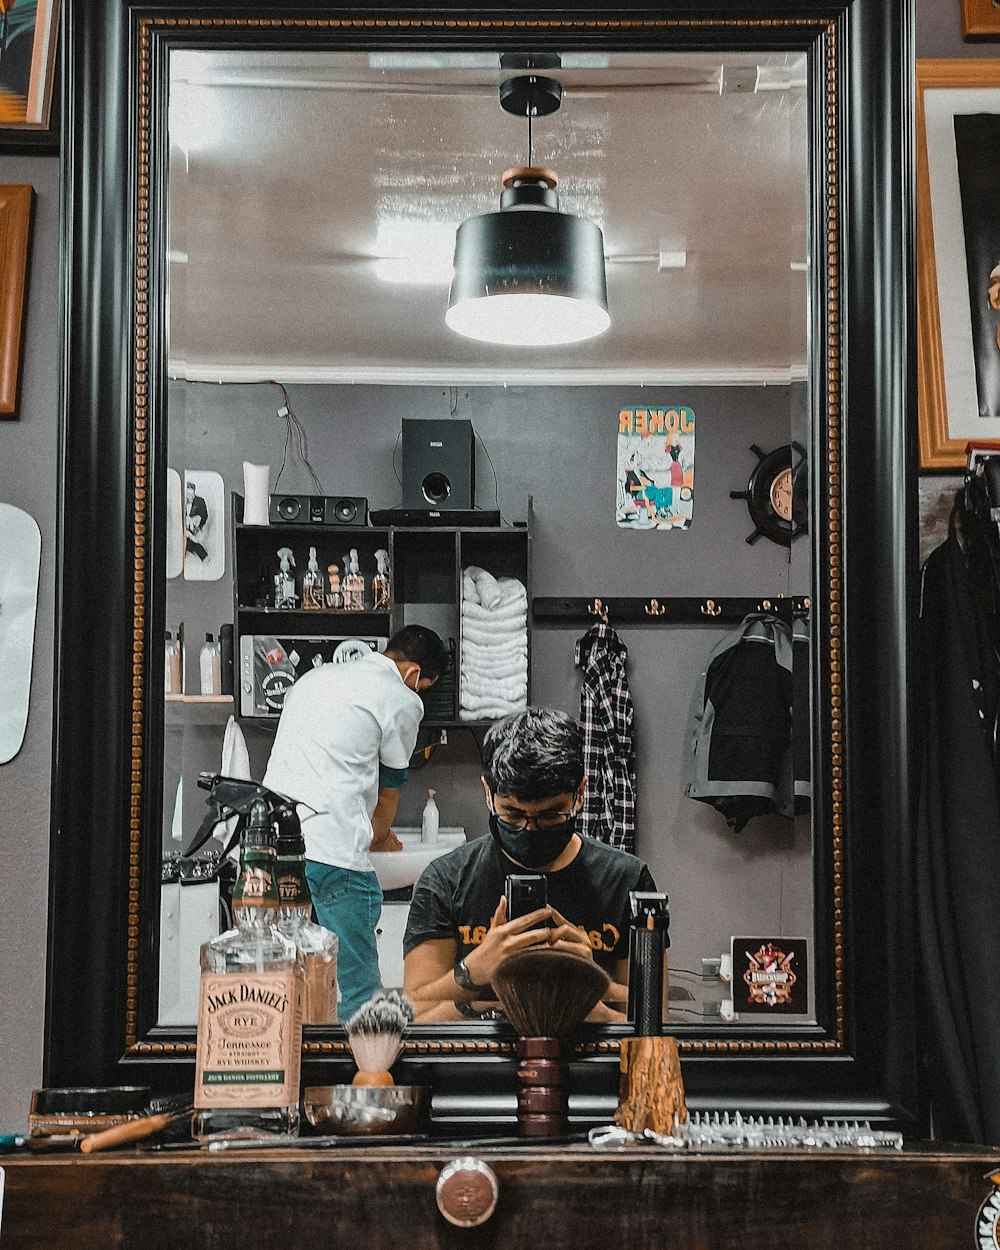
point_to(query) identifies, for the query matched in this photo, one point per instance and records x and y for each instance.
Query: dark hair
(421, 646)
(534, 754)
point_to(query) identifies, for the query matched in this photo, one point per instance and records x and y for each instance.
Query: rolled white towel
(485, 589)
(498, 650)
(473, 674)
(499, 636)
(514, 611)
(490, 713)
(510, 690)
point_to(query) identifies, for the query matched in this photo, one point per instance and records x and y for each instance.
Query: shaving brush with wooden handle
(545, 994)
(375, 1034)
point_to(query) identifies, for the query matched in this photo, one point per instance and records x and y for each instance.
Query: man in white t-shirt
(342, 750)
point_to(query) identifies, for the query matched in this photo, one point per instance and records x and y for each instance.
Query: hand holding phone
(525, 892)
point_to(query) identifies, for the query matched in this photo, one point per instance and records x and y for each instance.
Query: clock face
(781, 494)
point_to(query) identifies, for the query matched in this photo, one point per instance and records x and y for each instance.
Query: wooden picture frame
(16, 203)
(29, 116)
(980, 19)
(948, 416)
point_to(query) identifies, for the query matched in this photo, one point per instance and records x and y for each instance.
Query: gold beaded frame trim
(822, 28)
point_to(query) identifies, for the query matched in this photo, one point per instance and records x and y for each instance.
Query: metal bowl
(367, 1109)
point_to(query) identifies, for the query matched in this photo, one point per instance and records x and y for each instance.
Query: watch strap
(463, 979)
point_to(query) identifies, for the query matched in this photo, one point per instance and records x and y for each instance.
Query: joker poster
(655, 468)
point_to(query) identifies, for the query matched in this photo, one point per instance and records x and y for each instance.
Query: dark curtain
(958, 843)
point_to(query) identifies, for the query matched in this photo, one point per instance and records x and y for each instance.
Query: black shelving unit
(425, 564)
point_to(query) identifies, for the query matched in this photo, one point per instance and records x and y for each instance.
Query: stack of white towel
(494, 669)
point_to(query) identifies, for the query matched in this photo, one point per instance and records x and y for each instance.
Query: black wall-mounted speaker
(318, 510)
(439, 464)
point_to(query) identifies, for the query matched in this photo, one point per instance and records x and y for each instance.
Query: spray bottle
(312, 585)
(354, 585)
(381, 586)
(284, 580)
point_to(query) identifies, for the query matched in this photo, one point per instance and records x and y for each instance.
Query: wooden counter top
(927, 1197)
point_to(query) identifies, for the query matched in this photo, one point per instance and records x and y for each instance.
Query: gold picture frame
(946, 363)
(16, 203)
(980, 19)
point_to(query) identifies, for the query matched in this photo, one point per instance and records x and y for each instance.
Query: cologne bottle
(210, 667)
(171, 665)
(334, 596)
(284, 580)
(354, 585)
(317, 946)
(381, 586)
(249, 1045)
(312, 585)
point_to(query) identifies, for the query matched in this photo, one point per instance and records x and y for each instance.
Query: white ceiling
(283, 168)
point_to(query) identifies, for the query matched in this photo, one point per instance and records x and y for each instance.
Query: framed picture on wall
(16, 203)
(980, 19)
(28, 44)
(958, 257)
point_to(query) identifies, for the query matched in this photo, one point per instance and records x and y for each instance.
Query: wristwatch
(463, 979)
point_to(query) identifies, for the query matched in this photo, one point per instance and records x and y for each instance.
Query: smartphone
(525, 893)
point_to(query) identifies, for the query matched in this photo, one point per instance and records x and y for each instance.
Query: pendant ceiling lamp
(529, 275)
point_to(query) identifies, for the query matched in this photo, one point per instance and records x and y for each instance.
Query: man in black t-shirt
(458, 935)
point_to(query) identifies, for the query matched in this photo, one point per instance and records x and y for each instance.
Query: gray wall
(557, 445)
(28, 453)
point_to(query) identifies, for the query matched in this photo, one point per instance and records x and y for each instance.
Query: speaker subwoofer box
(349, 510)
(439, 464)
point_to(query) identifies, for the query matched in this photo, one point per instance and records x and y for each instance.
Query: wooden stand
(651, 1091)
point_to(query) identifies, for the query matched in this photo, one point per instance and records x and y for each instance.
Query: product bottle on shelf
(317, 946)
(210, 666)
(312, 585)
(354, 585)
(171, 665)
(334, 596)
(381, 586)
(284, 580)
(251, 988)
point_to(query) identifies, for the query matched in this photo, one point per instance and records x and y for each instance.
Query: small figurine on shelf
(284, 581)
(334, 596)
(354, 585)
(312, 585)
(381, 586)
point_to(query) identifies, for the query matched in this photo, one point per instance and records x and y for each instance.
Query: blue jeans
(349, 904)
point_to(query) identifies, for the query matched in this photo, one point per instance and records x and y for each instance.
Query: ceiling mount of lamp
(529, 275)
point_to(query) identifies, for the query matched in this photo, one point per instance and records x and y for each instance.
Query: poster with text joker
(655, 488)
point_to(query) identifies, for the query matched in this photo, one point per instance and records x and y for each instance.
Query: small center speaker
(318, 510)
(439, 464)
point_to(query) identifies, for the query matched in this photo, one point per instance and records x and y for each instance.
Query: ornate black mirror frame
(859, 1058)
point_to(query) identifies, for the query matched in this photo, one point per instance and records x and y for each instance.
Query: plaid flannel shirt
(606, 716)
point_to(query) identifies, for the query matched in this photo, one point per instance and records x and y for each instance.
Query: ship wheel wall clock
(777, 494)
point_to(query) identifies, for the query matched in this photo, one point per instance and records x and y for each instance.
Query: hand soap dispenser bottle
(431, 821)
(312, 585)
(381, 586)
(284, 580)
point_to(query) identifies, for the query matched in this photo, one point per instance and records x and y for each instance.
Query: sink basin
(397, 869)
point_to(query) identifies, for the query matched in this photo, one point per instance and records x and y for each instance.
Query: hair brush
(546, 993)
(375, 1033)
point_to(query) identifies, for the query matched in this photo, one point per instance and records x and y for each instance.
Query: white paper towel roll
(255, 493)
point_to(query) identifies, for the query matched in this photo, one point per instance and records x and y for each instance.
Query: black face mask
(534, 848)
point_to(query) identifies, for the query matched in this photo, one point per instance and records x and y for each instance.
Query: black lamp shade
(527, 277)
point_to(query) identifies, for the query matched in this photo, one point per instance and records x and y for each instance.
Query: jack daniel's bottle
(317, 946)
(250, 1012)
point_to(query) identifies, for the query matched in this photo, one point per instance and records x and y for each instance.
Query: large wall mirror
(271, 275)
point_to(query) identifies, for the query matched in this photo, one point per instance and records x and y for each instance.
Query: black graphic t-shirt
(458, 893)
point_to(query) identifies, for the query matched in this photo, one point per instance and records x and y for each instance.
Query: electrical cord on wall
(295, 437)
(496, 483)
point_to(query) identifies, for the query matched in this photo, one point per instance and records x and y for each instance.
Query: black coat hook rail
(665, 610)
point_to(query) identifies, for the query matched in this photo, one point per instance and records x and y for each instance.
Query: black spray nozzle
(234, 796)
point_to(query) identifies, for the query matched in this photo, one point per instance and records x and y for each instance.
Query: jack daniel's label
(249, 1040)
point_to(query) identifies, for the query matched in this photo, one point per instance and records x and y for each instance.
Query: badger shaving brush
(375, 1034)
(545, 994)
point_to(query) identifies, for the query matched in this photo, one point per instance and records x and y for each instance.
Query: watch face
(781, 494)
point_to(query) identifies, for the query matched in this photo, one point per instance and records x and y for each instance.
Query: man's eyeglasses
(549, 821)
